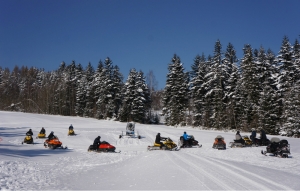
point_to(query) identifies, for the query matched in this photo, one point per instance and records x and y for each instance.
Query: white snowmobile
(130, 131)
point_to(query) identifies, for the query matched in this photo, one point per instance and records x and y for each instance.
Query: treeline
(262, 90)
(74, 91)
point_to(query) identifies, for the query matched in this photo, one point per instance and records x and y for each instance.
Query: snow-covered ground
(33, 167)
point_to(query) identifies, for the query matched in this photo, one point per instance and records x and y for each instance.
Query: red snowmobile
(53, 143)
(103, 147)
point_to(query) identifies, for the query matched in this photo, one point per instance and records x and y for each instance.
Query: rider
(51, 135)
(96, 142)
(71, 127)
(263, 137)
(239, 138)
(253, 135)
(43, 131)
(186, 138)
(29, 132)
(158, 139)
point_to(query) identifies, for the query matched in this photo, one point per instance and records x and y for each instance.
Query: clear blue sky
(141, 34)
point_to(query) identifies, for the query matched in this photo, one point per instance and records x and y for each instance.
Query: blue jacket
(253, 134)
(185, 136)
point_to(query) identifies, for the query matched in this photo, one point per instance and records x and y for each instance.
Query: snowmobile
(54, 143)
(188, 144)
(219, 143)
(258, 142)
(237, 143)
(71, 132)
(103, 147)
(41, 136)
(28, 139)
(279, 148)
(168, 144)
(130, 131)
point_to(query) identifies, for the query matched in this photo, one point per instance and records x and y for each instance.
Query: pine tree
(128, 96)
(97, 89)
(216, 84)
(117, 79)
(89, 75)
(175, 98)
(250, 88)
(141, 102)
(198, 89)
(232, 77)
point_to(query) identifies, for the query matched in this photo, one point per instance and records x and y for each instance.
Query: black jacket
(263, 135)
(43, 131)
(29, 133)
(97, 141)
(51, 136)
(159, 138)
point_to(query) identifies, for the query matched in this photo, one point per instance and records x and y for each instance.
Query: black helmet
(184, 132)
(158, 133)
(238, 132)
(29, 129)
(98, 137)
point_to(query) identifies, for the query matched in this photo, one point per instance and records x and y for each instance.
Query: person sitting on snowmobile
(29, 132)
(253, 135)
(158, 139)
(43, 131)
(51, 135)
(238, 138)
(71, 127)
(97, 142)
(186, 138)
(263, 137)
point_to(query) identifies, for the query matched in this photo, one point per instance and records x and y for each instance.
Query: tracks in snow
(217, 174)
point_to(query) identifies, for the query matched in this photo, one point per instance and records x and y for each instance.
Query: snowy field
(33, 167)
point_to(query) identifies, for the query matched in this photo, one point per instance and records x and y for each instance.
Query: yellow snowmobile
(71, 132)
(41, 135)
(247, 140)
(168, 144)
(28, 139)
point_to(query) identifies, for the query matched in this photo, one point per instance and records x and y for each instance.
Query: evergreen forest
(219, 91)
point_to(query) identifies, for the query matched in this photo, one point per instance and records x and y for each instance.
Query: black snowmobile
(259, 142)
(188, 143)
(279, 148)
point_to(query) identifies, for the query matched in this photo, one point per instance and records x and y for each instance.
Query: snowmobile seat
(156, 145)
(284, 141)
(238, 141)
(219, 137)
(275, 140)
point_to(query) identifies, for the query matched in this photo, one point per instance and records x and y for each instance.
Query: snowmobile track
(200, 172)
(234, 175)
(247, 174)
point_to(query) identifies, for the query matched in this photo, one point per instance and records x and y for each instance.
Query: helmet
(29, 129)
(184, 132)
(253, 129)
(238, 132)
(52, 132)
